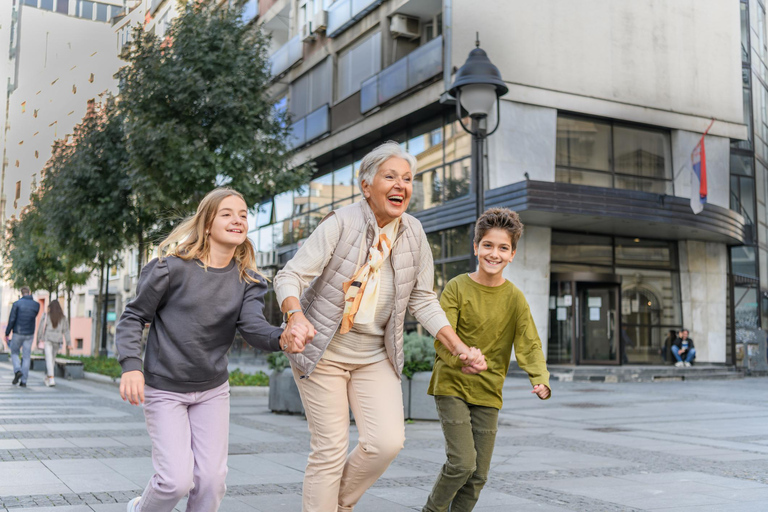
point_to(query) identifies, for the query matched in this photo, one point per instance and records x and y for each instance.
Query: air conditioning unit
(405, 26)
(320, 21)
(306, 32)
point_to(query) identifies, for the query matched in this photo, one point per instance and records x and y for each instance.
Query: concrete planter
(419, 405)
(283, 394)
(5, 357)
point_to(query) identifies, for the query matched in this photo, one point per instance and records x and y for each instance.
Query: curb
(233, 391)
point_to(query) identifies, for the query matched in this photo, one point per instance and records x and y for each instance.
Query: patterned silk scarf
(361, 293)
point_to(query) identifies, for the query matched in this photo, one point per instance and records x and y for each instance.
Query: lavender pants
(190, 439)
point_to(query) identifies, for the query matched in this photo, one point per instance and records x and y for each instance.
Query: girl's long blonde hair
(188, 240)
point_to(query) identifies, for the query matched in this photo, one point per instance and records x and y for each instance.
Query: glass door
(599, 340)
(561, 322)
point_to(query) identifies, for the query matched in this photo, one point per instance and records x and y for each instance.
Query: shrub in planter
(419, 354)
(283, 393)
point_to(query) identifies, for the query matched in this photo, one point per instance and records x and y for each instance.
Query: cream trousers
(335, 480)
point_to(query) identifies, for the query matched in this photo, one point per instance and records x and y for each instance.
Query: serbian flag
(699, 174)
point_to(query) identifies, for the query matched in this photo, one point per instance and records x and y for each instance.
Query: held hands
(541, 391)
(132, 387)
(474, 361)
(298, 332)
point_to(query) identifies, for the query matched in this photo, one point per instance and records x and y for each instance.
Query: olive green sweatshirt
(493, 319)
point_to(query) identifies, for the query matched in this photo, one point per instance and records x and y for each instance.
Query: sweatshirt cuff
(131, 364)
(286, 290)
(434, 324)
(542, 380)
(274, 339)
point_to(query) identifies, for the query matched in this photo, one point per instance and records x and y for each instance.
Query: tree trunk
(67, 346)
(96, 315)
(142, 249)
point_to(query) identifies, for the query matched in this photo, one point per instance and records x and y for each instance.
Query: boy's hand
(475, 368)
(541, 390)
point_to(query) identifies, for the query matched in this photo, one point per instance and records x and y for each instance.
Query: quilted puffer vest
(323, 301)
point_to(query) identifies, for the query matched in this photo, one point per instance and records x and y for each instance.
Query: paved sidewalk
(682, 446)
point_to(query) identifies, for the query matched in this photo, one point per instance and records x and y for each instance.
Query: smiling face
(390, 190)
(230, 225)
(494, 252)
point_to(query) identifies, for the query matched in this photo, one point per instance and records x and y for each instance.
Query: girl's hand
(294, 340)
(132, 387)
(541, 391)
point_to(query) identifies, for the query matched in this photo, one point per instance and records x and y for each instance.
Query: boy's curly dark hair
(501, 218)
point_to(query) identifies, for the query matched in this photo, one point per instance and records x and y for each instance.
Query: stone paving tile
(592, 448)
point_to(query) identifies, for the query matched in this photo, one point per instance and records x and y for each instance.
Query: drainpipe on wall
(447, 43)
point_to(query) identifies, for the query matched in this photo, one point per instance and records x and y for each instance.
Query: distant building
(61, 58)
(607, 101)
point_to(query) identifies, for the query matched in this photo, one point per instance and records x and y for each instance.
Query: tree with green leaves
(198, 114)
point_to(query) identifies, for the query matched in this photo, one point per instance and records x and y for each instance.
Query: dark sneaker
(16, 378)
(22, 384)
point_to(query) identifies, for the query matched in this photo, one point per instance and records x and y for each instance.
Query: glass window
(427, 144)
(343, 183)
(642, 153)
(742, 165)
(426, 191)
(317, 216)
(597, 154)
(644, 253)
(46, 4)
(62, 6)
(458, 242)
(746, 311)
(312, 90)
(458, 143)
(102, 12)
(86, 9)
(743, 261)
(321, 190)
(283, 206)
(266, 239)
(32, 3)
(358, 64)
(264, 213)
(436, 244)
(744, 33)
(458, 179)
(583, 143)
(571, 248)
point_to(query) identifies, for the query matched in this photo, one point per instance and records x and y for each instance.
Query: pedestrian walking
(202, 287)
(353, 280)
(21, 323)
(53, 328)
(491, 313)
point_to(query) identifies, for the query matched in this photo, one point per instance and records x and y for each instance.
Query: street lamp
(478, 83)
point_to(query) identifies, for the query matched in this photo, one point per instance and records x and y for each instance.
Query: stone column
(703, 289)
(529, 271)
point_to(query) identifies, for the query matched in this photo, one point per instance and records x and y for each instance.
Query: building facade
(606, 103)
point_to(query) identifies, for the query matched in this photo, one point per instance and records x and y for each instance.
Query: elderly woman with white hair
(352, 281)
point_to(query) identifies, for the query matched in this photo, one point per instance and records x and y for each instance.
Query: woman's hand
(295, 338)
(132, 387)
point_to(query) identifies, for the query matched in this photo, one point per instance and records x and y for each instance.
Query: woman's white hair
(373, 160)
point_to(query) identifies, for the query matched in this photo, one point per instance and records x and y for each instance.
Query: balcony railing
(250, 10)
(311, 126)
(418, 66)
(344, 13)
(287, 56)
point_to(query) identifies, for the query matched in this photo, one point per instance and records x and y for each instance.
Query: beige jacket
(46, 332)
(320, 285)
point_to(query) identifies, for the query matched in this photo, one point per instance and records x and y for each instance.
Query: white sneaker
(46, 381)
(687, 364)
(679, 364)
(133, 504)
(51, 382)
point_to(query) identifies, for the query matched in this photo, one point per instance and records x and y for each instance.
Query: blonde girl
(202, 287)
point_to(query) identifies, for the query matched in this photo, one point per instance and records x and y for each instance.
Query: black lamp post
(478, 83)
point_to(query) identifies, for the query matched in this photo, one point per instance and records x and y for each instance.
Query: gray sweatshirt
(193, 314)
